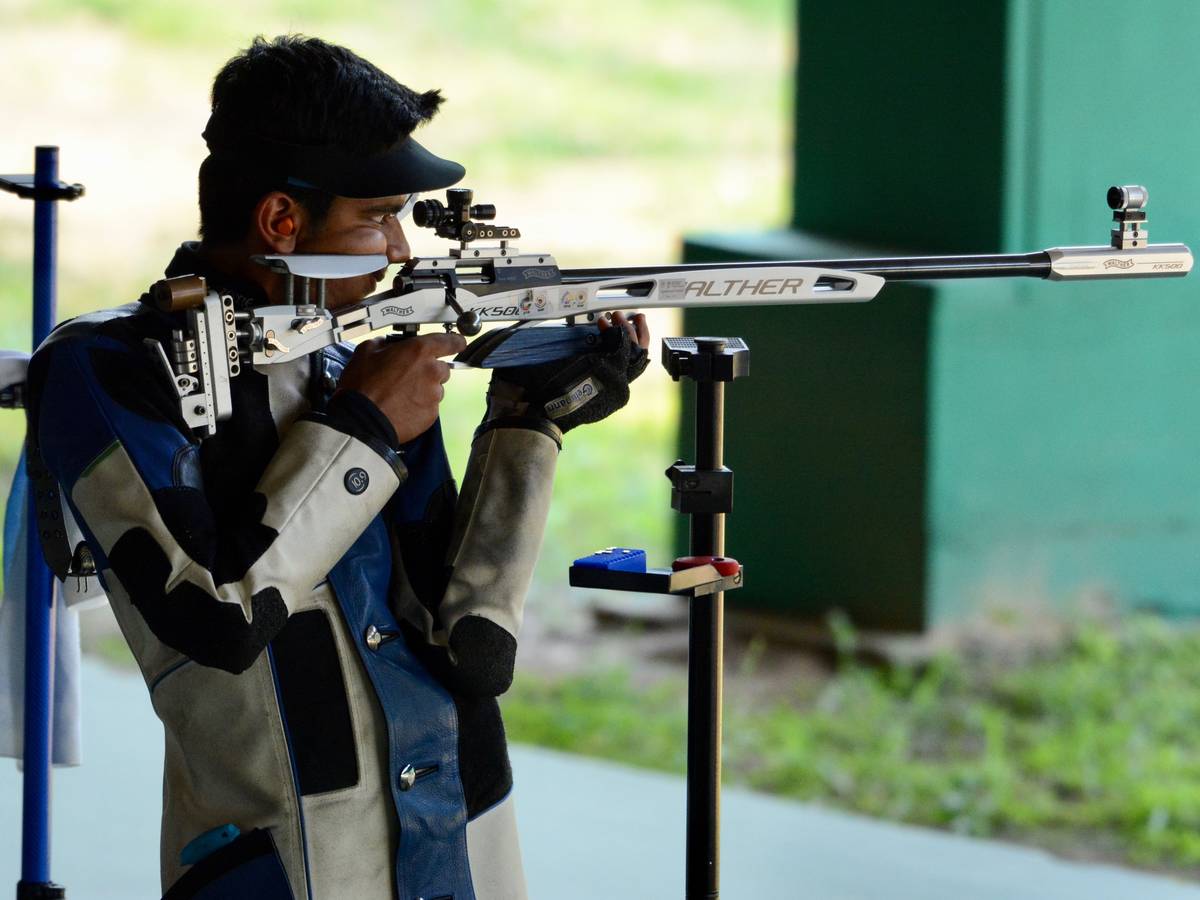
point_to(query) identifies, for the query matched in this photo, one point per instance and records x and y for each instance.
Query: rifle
(473, 285)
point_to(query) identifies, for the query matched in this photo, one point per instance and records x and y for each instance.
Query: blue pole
(39, 647)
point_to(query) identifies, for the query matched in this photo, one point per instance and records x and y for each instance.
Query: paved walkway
(589, 830)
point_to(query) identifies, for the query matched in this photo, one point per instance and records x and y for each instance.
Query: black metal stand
(704, 492)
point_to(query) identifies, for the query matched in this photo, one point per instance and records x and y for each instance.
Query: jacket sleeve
(215, 591)
(495, 533)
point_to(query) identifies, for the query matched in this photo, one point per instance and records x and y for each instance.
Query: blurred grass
(603, 136)
(1092, 751)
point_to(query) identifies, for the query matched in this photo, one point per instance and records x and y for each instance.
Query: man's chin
(372, 284)
(348, 292)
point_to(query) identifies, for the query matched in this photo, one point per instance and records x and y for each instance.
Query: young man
(322, 620)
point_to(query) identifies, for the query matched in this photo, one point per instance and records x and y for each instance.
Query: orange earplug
(286, 226)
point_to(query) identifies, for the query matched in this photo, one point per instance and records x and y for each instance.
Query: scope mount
(461, 220)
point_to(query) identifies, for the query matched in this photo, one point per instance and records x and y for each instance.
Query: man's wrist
(355, 413)
(528, 422)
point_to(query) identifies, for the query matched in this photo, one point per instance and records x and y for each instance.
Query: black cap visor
(404, 168)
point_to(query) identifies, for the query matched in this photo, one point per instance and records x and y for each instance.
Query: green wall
(960, 444)
(900, 123)
(1067, 426)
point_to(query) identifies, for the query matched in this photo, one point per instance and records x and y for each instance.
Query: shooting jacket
(286, 587)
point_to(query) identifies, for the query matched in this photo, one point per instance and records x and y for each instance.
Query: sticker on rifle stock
(572, 399)
(574, 299)
(672, 288)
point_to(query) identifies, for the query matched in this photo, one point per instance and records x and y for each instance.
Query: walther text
(764, 287)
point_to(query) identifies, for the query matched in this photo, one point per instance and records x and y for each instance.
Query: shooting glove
(554, 397)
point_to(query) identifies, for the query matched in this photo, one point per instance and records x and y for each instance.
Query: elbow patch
(188, 618)
(485, 656)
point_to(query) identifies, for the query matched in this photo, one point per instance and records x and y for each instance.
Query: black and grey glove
(554, 397)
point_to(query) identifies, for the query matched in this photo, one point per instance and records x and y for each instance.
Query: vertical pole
(705, 640)
(39, 646)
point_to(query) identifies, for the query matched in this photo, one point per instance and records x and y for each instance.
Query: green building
(957, 444)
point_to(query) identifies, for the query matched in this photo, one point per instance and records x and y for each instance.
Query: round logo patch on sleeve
(356, 480)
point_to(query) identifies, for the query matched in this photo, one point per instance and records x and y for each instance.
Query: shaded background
(1006, 469)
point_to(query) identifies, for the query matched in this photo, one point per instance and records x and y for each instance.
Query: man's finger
(642, 331)
(370, 345)
(621, 320)
(443, 371)
(446, 344)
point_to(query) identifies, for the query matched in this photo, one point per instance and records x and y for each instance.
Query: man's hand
(639, 331)
(403, 378)
(557, 396)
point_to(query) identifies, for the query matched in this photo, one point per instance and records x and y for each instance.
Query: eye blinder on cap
(404, 168)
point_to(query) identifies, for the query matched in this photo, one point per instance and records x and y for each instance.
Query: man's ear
(279, 221)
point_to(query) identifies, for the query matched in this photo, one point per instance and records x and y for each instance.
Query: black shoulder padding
(123, 326)
(128, 378)
(188, 618)
(485, 656)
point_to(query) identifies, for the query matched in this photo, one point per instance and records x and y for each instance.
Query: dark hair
(301, 90)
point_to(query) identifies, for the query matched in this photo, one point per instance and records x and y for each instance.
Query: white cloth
(65, 734)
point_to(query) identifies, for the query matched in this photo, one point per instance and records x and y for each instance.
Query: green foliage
(164, 20)
(601, 715)
(561, 35)
(1093, 750)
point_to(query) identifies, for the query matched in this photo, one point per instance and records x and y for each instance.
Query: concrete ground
(589, 830)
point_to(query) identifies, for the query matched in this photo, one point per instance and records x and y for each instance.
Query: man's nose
(397, 244)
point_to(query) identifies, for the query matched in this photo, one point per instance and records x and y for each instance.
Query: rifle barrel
(910, 268)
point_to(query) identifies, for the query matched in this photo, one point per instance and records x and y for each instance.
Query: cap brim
(405, 168)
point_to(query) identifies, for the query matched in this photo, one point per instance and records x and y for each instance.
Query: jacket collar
(189, 259)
